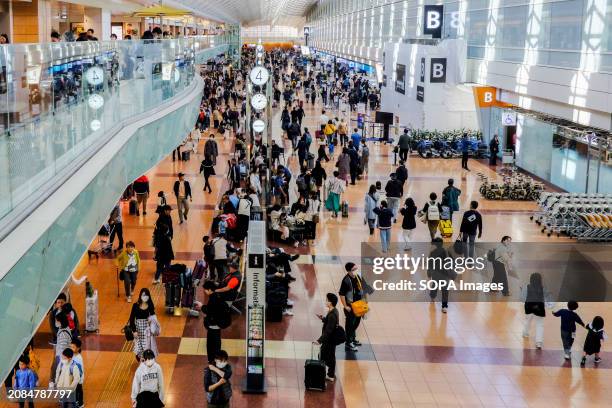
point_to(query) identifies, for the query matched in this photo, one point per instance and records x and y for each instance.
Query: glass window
(566, 24)
(476, 27)
(512, 26)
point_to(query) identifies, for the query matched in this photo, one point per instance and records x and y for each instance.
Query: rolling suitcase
(345, 209)
(446, 228)
(133, 207)
(314, 373)
(170, 298)
(188, 297)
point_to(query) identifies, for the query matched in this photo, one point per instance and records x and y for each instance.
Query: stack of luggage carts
(586, 217)
(180, 283)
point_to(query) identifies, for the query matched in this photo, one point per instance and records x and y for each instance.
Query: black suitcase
(345, 209)
(185, 155)
(173, 296)
(133, 207)
(314, 373)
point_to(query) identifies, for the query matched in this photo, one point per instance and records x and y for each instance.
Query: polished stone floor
(413, 355)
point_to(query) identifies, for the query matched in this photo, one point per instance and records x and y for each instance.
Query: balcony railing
(58, 101)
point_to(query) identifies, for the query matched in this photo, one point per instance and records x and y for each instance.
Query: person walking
(217, 381)
(334, 187)
(115, 221)
(494, 150)
(64, 337)
(141, 189)
(465, 151)
(370, 204)
(394, 191)
(67, 375)
(408, 222)
(182, 192)
(569, 318)
(207, 169)
(401, 173)
(128, 263)
(450, 197)
(344, 165)
(144, 324)
(471, 224)
(148, 383)
(502, 263)
(327, 341)
(385, 215)
(352, 289)
(439, 272)
(535, 308)
(211, 149)
(431, 214)
(404, 145)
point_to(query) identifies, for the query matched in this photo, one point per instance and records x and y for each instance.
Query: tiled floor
(413, 356)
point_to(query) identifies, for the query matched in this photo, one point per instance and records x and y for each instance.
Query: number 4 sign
(259, 76)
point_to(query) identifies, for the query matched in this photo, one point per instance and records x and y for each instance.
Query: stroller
(103, 244)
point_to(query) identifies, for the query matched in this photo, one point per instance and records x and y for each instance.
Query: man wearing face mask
(328, 346)
(148, 384)
(216, 382)
(352, 289)
(217, 317)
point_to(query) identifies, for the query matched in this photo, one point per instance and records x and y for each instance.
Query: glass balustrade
(58, 100)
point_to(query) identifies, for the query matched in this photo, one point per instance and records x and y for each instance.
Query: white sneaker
(156, 281)
(539, 346)
(568, 356)
(290, 302)
(129, 299)
(328, 378)
(444, 310)
(287, 312)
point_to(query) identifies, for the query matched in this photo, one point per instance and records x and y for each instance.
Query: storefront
(573, 157)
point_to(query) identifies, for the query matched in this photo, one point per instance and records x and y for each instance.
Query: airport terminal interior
(308, 203)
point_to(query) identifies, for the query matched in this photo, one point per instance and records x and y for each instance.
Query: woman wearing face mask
(64, 338)
(503, 263)
(144, 324)
(216, 381)
(327, 341)
(148, 384)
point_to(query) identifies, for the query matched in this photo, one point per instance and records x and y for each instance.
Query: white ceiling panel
(248, 12)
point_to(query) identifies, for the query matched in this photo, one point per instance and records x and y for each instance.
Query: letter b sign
(432, 20)
(437, 72)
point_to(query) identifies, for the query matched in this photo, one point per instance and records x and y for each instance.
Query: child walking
(592, 343)
(78, 360)
(569, 318)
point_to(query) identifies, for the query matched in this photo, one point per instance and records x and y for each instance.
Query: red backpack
(231, 221)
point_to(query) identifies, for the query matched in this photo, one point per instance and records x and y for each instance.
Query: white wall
(446, 106)
(578, 96)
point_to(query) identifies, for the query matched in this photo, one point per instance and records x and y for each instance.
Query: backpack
(301, 183)
(338, 335)
(209, 249)
(433, 212)
(308, 138)
(231, 221)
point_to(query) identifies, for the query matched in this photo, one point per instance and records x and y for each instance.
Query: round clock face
(259, 47)
(259, 101)
(259, 126)
(94, 75)
(95, 125)
(95, 101)
(259, 76)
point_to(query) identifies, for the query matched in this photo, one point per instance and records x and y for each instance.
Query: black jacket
(165, 219)
(141, 187)
(216, 311)
(187, 188)
(409, 221)
(471, 223)
(330, 321)
(385, 217)
(394, 189)
(401, 174)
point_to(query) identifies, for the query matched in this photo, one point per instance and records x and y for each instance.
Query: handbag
(459, 245)
(128, 333)
(360, 307)
(338, 335)
(315, 218)
(121, 275)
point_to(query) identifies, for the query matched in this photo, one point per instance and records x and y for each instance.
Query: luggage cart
(102, 245)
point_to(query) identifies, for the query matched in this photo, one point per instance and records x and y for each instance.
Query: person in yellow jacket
(128, 263)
